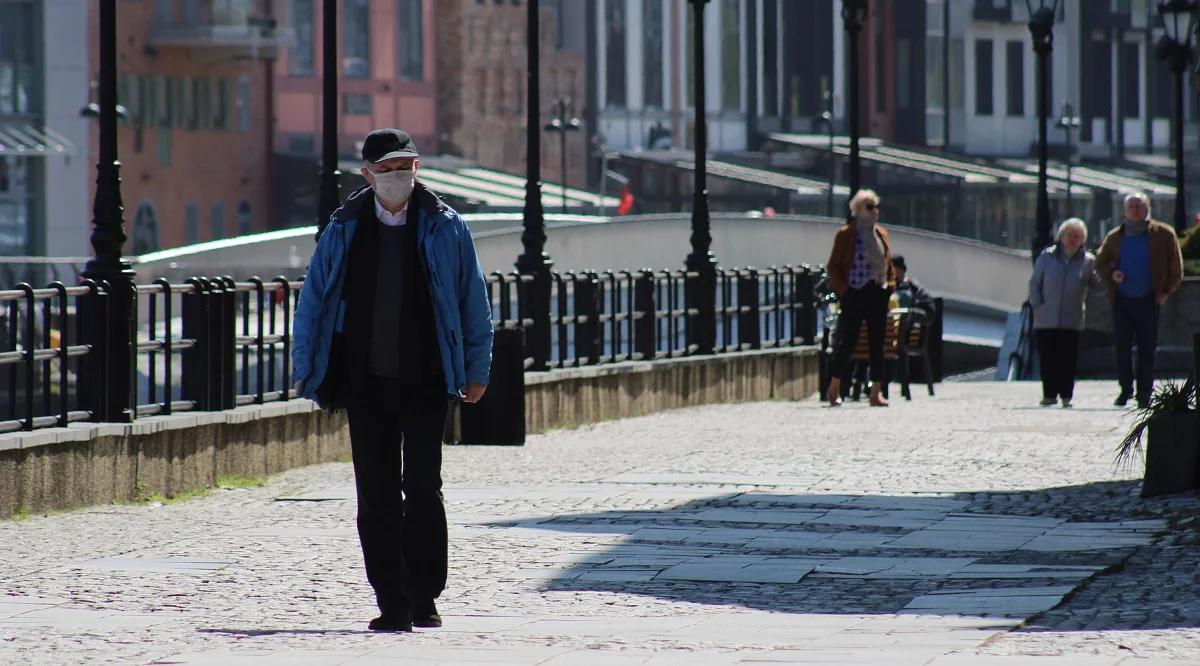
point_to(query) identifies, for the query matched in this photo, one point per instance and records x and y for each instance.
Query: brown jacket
(1166, 259)
(841, 259)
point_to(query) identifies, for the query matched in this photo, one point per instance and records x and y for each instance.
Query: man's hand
(474, 392)
(1118, 277)
(1161, 298)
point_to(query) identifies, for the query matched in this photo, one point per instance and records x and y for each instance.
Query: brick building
(194, 146)
(481, 93)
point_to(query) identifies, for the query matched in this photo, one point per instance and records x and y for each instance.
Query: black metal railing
(211, 344)
(614, 316)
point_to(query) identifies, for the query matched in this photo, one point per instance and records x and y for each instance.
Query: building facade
(195, 141)
(44, 167)
(481, 98)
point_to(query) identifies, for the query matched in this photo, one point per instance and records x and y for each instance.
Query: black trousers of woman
(870, 303)
(1058, 354)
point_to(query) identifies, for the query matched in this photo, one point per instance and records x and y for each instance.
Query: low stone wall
(1178, 321)
(89, 464)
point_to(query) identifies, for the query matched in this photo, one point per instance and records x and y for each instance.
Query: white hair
(1140, 196)
(1073, 223)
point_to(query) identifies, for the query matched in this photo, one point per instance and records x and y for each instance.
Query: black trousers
(1058, 356)
(396, 441)
(869, 303)
(1136, 319)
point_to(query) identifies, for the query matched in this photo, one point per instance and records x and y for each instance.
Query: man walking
(393, 324)
(1142, 264)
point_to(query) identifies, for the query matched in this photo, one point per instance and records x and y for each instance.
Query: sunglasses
(871, 206)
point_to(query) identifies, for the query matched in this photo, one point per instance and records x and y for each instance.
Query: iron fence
(213, 343)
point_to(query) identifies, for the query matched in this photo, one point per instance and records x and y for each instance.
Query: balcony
(222, 29)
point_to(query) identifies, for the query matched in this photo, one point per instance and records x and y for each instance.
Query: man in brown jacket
(860, 270)
(1142, 264)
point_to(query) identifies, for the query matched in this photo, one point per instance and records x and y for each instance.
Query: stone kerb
(90, 464)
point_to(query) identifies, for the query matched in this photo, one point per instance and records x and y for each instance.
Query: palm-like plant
(1168, 398)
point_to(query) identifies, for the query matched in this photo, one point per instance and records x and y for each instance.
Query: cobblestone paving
(973, 527)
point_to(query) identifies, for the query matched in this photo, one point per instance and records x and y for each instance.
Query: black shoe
(425, 615)
(1143, 403)
(392, 622)
(1122, 399)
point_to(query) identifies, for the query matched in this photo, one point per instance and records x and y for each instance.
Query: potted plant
(1171, 424)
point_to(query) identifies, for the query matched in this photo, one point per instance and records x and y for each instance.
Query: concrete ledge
(100, 463)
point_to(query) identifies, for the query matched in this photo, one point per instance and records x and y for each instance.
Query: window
(357, 104)
(20, 70)
(356, 39)
(243, 104)
(770, 66)
(187, 102)
(16, 205)
(162, 144)
(731, 50)
(164, 104)
(218, 220)
(191, 222)
(983, 77)
(145, 229)
(302, 144)
(245, 222)
(1015, 77)
(411, 40)
(1129, 83)
(652, 27)
(614, 22)
(935, 93)
(220, 107)
(300, 57)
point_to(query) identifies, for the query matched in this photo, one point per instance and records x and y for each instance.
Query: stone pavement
(973, 527)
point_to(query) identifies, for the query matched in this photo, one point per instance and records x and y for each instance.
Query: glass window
(300, 56)
(410, 40)
(16, 205)
(245, 221)
(652, 27)
(614, 22)
(218, 220)
(983, 77)
(145, 229)
(162, 143)
(935, 94)
(220, 107)
(358, 104)
(243, 104)
(20, 69)
(731, 50)
(191, 222)
(356, 39)
(1015, 77)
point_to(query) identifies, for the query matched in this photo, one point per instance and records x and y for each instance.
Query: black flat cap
(386, 144)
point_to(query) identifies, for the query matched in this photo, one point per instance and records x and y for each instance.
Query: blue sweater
(1135, 264)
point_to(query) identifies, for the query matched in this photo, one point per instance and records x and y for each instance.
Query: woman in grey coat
(1058, 291)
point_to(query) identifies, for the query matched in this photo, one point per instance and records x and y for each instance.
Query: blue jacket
(458, 289)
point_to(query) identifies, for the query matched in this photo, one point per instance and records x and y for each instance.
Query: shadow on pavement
(1012, 555)
(284, 632)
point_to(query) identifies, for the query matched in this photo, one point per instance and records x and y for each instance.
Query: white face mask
(395, 186)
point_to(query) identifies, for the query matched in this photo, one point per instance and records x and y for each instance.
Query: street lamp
(330, 193)
(1069, 122)
(1178, 17)
(1041, 28)
(701, 289)
(534, 261)
(562, 124)
(854, 17)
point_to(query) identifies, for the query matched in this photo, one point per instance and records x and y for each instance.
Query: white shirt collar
(391, 219)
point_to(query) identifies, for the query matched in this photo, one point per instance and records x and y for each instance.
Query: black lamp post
(854, 17)
(112, 345)
(330, 194)
(1069, 122)
(1041, 28)
(534, 261)
(701, 289)
(564, 121)
(1179, 18)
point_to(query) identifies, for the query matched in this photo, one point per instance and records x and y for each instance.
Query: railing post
(803, 282)
(749, 322)
(92, 322)
(587, 319)
(644, 343)
(225, 340)
(196, 368)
